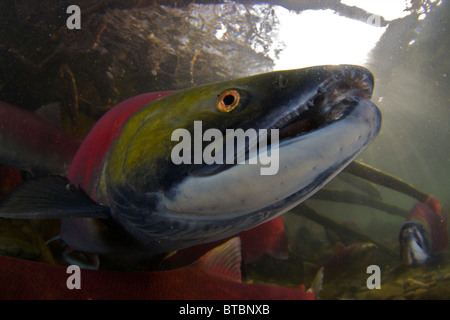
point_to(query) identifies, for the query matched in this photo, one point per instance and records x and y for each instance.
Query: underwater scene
(225, 150)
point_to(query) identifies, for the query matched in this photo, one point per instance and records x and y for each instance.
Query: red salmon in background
(216, 275)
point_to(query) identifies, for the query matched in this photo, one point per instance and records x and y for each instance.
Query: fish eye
(228, 100)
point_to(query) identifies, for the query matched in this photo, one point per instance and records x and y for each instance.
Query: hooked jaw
(332, 99)
(414, 245)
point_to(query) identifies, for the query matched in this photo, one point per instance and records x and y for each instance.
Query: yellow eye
(228, 100)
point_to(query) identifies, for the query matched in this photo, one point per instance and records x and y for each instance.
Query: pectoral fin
(224, 260)
(50, 197)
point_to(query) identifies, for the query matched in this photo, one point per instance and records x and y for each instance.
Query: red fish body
(87, 164)
(429, 213)
(214, 276)
(29, 143)
(269, 238)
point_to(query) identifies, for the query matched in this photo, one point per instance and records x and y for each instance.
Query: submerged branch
(386, 180)
(348, 234)
(360, 199)
(362, 185)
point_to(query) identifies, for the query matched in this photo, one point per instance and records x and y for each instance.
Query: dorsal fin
(224, 260)
(50, 197)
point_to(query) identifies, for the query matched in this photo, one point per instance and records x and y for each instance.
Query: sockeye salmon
(216, 275)
(29, 143)
(423, 237)
(123, 192)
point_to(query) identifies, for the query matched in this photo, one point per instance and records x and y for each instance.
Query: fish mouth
(317, 106)
(333, 100)
(414, 246)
